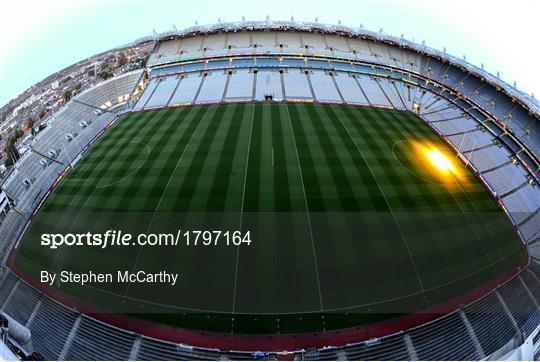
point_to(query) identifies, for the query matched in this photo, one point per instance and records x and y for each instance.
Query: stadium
(338, 193)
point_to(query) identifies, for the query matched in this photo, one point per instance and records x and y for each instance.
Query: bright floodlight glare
(440, 161)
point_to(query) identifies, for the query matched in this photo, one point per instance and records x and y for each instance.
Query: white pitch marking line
(70, 204)
(164, 190)
(242, 210)
(307, 210)
(388, 204)
(147, 148)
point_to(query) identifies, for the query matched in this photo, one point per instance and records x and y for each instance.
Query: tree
(105, 75)
(9, 161)
(67, 95)
(30, 122)
(42, 114)
(122, 60)
(145, 60)
(11, 152)
(18, 134)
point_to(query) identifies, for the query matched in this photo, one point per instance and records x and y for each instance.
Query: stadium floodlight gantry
(492, 127)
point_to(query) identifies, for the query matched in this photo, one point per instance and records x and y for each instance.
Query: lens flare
(437, 162)
(440, 161)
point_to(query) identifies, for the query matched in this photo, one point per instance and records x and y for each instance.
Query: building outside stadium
(292, 190)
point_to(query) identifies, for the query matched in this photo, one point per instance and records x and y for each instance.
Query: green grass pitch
(383, 235)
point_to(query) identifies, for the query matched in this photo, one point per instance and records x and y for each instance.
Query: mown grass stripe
(196, 159)
(312, 184)
(224, 169)
(285, 183)
(254, 169)
(293, 114)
